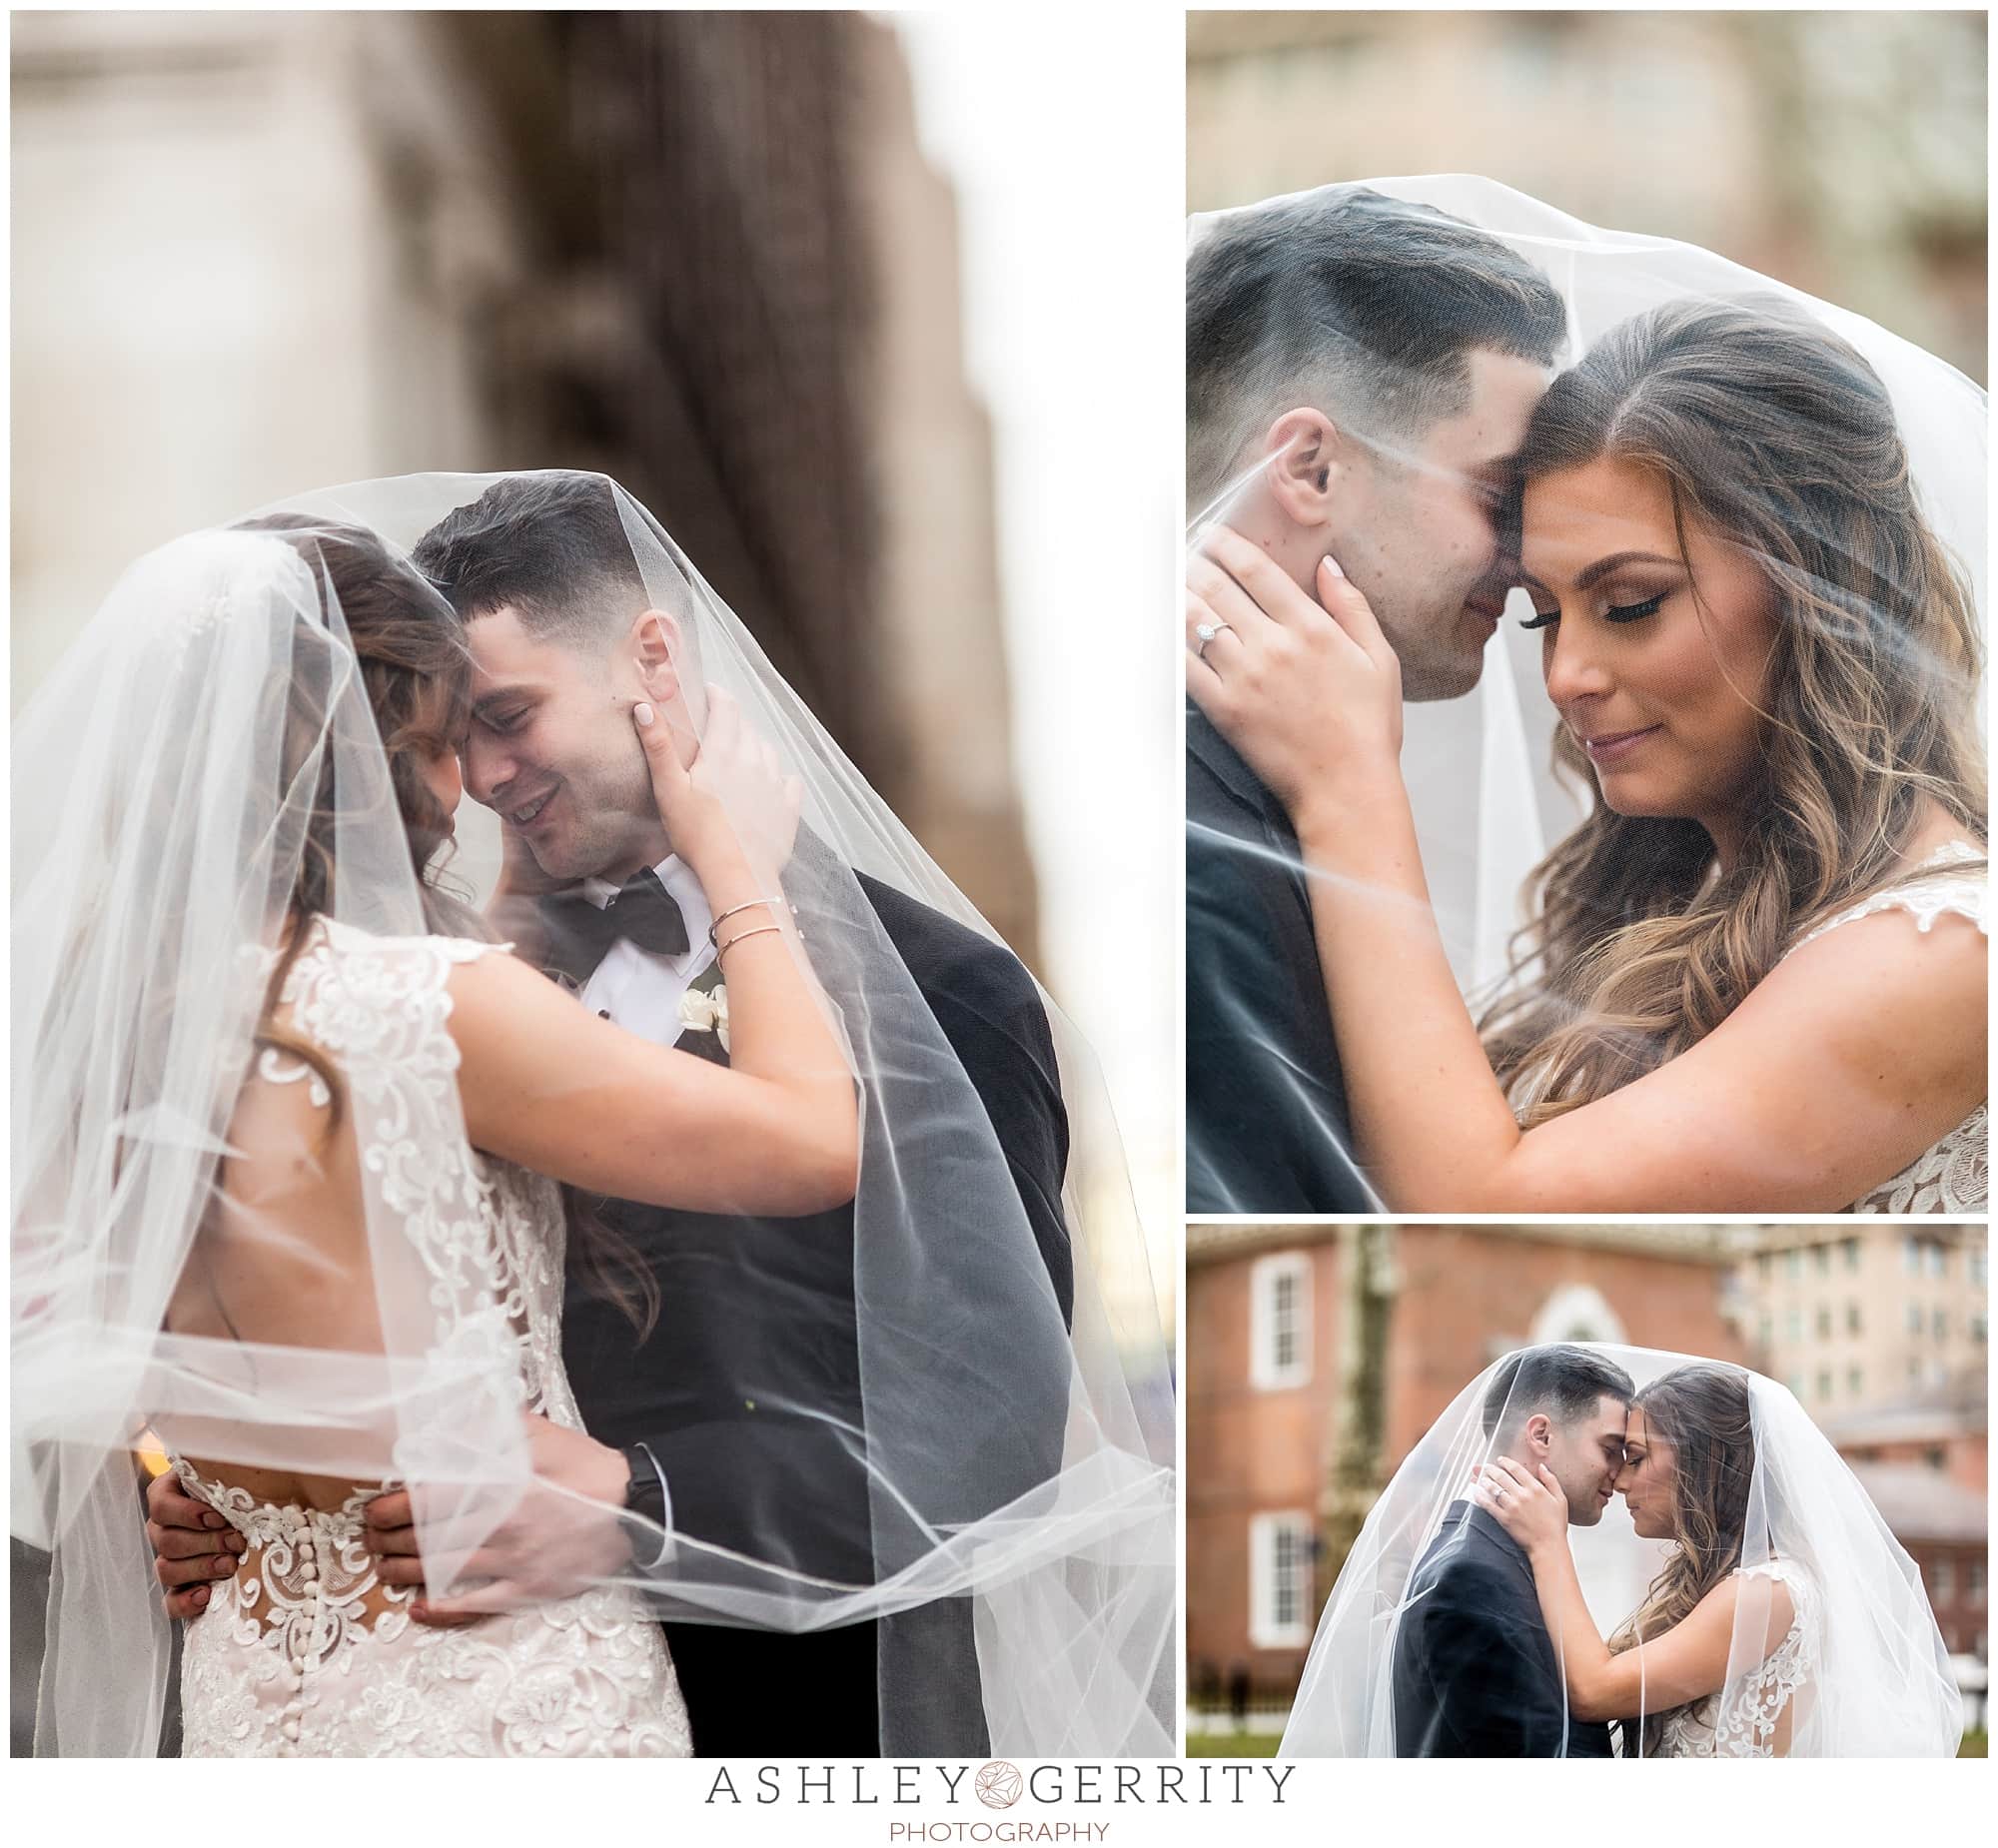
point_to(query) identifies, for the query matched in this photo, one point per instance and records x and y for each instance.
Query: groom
(542, 572)
(1360, 372)
(1476, 1673)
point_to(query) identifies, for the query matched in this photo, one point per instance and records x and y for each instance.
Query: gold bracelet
(761, 930)
(748, 904)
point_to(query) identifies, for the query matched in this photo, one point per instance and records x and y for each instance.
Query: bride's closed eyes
(1613, 612)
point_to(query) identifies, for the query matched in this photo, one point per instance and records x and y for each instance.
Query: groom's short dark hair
(1564, 1381)
(1362, 305)
(552, 546)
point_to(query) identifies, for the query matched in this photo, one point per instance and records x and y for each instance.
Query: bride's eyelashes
(1616, 612)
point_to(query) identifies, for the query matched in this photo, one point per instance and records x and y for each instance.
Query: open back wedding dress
(304, 1651)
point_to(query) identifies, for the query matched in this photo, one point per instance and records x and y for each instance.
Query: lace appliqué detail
(1742, 1720)
(304, 1651)
(280, 1068)
(1955, 1175)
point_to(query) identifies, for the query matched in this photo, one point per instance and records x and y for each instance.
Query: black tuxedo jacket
(745, 1299)
(1266, 1122)
(1476, 1675)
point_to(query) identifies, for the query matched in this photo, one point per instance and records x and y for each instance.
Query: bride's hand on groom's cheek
(566, 1533)
(1308, 691)
(1529, 1506)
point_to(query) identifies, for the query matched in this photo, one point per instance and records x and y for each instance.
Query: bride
(1753, 978)
(1763, 1610)
(240, 908)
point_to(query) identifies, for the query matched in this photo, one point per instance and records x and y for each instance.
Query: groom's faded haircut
(552, 546)
(1363, 307)
(1565, 1382)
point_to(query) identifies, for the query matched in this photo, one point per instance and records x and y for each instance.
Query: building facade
(1780, 139)
(260, 252)
(1850, 1320)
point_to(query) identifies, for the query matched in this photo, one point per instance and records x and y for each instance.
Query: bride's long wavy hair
(1775, 436)
(1702, 1411)
(416, 665)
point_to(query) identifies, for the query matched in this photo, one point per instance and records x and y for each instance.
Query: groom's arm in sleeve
(1487, 1674)
(1266, 1123)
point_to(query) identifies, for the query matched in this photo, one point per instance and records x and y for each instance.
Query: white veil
(996, 1488)
(1487, 802)
(166, 780)
(1866, 1675)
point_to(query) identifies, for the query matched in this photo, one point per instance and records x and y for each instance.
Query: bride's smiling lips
(1608, 747)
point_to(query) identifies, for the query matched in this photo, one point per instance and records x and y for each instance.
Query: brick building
(1925, 1460)
(1271, 1319)
(1852, 1320)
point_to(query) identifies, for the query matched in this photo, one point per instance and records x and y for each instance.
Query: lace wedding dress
(305, 1652)
(1953, 1175)
(1744, 1720)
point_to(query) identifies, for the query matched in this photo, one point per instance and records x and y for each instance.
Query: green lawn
(1233, 1744)
(1264, 1745)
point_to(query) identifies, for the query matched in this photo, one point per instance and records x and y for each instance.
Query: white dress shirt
(642, 992)
(639, 989)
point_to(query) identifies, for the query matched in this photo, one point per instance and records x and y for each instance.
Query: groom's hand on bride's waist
(193, 1546)
(567, 1533)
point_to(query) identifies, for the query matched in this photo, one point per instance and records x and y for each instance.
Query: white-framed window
(1280, 1582)
(1577, 1312)
(1279, 1321)
(1942, 1580)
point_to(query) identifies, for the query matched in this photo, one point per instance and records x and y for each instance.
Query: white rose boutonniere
(706, 1012)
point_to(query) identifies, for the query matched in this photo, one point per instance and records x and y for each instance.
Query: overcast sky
(1070, 217)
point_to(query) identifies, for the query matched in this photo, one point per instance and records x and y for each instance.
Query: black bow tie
(643, 912)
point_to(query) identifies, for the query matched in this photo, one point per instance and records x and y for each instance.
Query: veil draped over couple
(1745, 530)
(704, 1349)
(1608, 1551)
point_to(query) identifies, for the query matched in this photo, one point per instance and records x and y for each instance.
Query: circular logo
(998, 1784)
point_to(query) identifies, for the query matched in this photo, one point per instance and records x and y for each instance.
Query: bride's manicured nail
(1332, 565)
(643, 713)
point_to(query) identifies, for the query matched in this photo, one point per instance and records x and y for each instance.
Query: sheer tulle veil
(1017, 1455)
(1487, 804)
(1867, 1673)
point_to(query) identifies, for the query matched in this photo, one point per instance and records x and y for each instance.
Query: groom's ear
(657, 650)
(1306, 466)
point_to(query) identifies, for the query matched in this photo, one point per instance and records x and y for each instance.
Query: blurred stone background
(705, 253)
(1842, 153)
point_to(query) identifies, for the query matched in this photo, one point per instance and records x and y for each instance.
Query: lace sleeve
(1944, 893)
